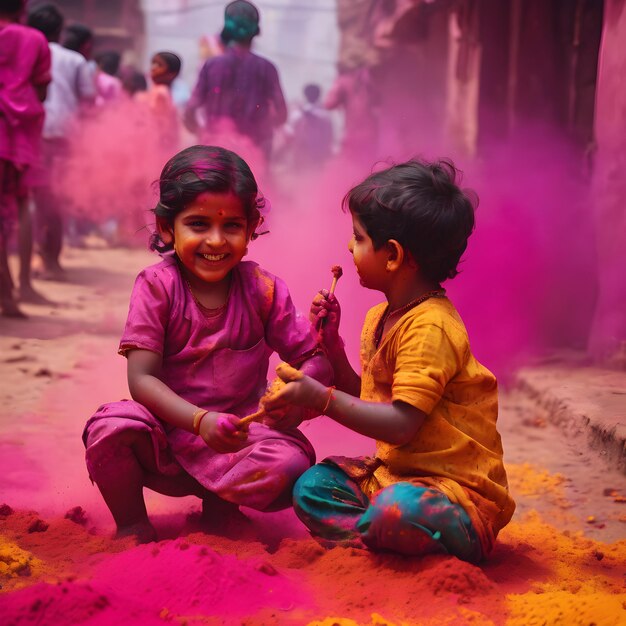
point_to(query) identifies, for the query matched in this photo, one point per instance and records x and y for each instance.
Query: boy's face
(160, 72)
(371, 264)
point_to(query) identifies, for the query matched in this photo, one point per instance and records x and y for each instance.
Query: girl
(201, 327)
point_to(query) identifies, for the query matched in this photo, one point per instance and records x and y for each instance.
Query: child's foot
(143, 532)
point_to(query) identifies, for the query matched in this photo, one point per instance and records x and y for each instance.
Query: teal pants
(403, 518)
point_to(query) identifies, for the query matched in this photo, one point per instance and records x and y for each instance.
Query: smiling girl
(201, 327)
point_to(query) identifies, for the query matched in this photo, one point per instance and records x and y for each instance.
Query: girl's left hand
(221, 432)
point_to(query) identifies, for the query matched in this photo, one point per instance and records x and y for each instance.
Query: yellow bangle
(330, 397)
(197, 419)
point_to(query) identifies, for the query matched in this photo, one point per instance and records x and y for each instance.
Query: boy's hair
(48, 19)
(76, 36)
(312, 92)
(109, 62)
(11, 7)
(201, 169)
(421, 206)
(172, 61)
(241, 22)
(132, 80)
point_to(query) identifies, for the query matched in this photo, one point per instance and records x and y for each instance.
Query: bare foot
(142, 531)
(55, 274)
(9, 308)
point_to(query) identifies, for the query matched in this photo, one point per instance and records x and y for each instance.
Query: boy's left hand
(300, 399)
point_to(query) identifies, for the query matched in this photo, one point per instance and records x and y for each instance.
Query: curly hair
(422, 207)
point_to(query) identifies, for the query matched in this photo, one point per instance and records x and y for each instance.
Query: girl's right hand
(221, 432)
(325, 315)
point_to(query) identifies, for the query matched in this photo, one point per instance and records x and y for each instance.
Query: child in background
(24, 77)
(437, 482)
(201, 327)
(164, 68)
(312, 131)
(108, 85)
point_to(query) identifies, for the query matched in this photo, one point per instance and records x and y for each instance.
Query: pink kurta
(219, 364)
(24, 65)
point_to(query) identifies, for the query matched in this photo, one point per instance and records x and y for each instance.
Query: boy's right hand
(325, 315)
(221, 432)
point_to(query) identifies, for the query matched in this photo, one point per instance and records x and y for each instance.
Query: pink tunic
(24, 65)
(218, 364)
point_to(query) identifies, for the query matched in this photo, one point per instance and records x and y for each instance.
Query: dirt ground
(560, 561)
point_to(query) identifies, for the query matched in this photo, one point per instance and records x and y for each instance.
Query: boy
(437, 482)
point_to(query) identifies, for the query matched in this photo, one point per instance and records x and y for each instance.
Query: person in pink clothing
(24, 76)
(201, 327)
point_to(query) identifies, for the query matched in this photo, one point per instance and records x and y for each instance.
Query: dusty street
(561, 560)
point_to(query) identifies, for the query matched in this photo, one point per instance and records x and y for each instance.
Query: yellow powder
(17, 566)
(579, 582)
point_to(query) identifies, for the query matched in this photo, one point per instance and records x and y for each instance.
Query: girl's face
(210, 236)
(371, 264)
(160, 72)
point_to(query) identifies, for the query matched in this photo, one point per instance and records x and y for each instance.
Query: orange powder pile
(536, 575)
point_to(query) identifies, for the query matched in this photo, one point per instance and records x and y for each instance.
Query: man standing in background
(238, 90)
(73, 85)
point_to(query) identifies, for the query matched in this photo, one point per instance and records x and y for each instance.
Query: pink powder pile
(172, 580)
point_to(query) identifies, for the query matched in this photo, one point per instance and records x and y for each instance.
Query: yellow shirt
(425, 361)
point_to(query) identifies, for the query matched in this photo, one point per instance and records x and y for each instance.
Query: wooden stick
(252, 417)
(287, 372)
(337, 274)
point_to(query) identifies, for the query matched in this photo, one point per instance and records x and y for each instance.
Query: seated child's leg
(120, 456)
(330, 504)
(414, 520)
(265, 472)
(120, 478)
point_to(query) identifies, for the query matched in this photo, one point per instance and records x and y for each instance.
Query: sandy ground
(561, 560)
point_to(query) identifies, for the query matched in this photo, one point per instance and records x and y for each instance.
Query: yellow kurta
(425, 360)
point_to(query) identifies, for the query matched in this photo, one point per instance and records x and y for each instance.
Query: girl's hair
(201, 169)
(76, 36)
(421, 206)
(172, 61)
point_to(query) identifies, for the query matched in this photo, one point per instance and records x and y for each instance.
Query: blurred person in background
(108, 84)
(238, 90)
(24, 77)
(79, 38)
(133, 80)
(72, 86)
(311, 131)
(164, 68)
